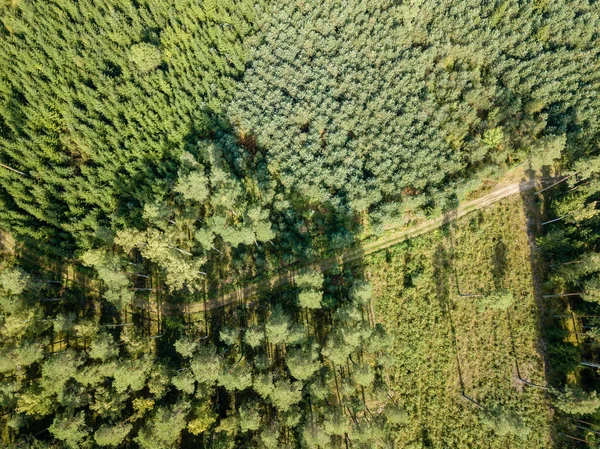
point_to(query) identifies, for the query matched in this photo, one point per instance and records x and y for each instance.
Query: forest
(310, 224)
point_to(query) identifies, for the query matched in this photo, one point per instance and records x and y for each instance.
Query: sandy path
(351, 254)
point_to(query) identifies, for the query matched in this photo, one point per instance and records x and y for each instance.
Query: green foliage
(254, 336)
(263, 385)
(184, 382)
(34, 401)
(310, 299)
(309, 280)
(126, 392)
(278, 327)
(285, 394)
(270, 438)
(364, 375)
(440, 339)
(131, 374)
(249, 417)
(499, 300)
(186, 347)
(70, 430)
(303, 362)
(205, 417)
(164, 428)
(180, 271)
(96, 109)
(103, 347)
(13, 281)
(111, 271)
(193, 186)
(392, 102)
(492, 138)
(206, 365)
(570, 246)
(112, 435)
(117, 152)
(577, 402)
(591, 289)
(145, 57)
(58, 369)
(236, 377)
(505, 422)
(570, 273)
(229, 336)
(361, 293)
(396, 415)
(315, 437)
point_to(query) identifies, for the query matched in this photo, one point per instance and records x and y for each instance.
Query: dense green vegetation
(450, 344)
(286, 371)
(381, 104)
(379, 107)
(98, 102)
(157, 157)
(570, 248)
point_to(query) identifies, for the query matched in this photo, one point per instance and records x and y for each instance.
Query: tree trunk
(562, 295)
(180, 250)
(556, 219)
(13, 169)
(471, 400)
(589, 430)
(590, 364)
(556, 183)
(336, 385)
(565, 263)
(573, 438)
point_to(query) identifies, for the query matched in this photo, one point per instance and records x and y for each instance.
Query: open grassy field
(456, 361)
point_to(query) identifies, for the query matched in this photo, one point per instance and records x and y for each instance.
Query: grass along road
(352, 254)
(248, 292)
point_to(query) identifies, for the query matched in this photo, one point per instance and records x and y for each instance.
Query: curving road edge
(349, 255)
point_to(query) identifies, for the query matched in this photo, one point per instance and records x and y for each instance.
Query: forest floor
(502, 191)
(450, 353)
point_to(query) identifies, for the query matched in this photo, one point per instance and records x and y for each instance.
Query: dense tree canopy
(157, 156)
(360, 103)
(99, 99)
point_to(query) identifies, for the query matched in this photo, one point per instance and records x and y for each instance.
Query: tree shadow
(499, 264)
(442, 278)
(559, 357)
(448, 226)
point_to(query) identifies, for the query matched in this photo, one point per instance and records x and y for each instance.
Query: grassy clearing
(446, 346)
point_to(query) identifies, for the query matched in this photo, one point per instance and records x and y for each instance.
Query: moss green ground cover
(447, 344)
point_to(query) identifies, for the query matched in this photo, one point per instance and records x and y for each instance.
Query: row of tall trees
(571, 248)
(305, 367)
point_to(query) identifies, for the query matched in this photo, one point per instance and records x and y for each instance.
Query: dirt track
(248, 292)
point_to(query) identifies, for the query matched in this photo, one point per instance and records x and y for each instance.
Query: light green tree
(499, 300)
(164, 428)
(278, 326)
(146, 57)
(577, 402)
(505, 422)
(206, 365)
(303, 362)
(249, 417)
(285, 394)
(70, 429)
(111, 435)
(254, 336)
